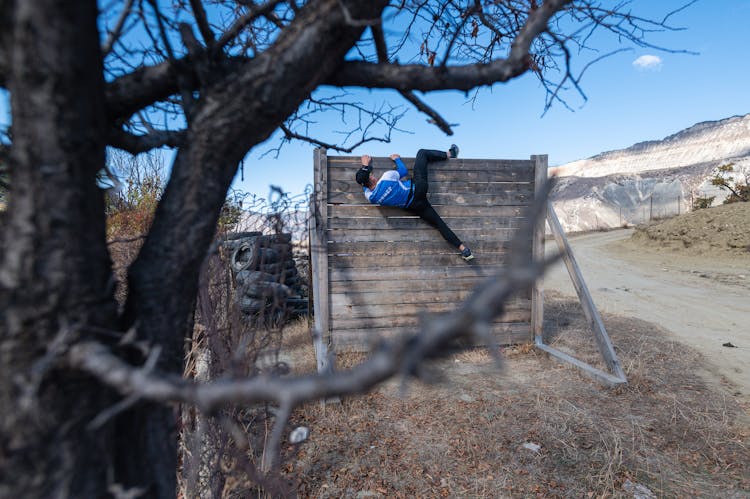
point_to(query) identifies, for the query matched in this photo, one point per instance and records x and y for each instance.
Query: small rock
(532, 447)
(639, 491)
(728, 344)
(299, 435)
(367, 493)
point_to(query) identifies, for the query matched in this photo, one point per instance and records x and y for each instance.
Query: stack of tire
(267, 284)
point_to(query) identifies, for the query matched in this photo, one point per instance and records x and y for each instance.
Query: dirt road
(704, 302)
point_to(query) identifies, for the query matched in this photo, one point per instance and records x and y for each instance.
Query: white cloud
(648, 63)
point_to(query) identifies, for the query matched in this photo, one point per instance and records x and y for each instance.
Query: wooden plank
(403, 286)
(319, 257)
(433, 274)
(589, 309)
(387, 315)
(410, 317)
(375, 296)
(349, 185)
(371, 210)
(599, 375)
(506, 198)
(438, 177)
(517, 166)
(537, 249)
(364, 339)
(414, 222)
(417, 234)
(398, 260)
(423, 248)
(408, 314)
(446, 173)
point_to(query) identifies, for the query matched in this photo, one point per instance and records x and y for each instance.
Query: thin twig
(117, 30)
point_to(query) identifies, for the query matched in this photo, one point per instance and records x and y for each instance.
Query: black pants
(420, 205)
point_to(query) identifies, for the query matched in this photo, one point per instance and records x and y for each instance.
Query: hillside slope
(704, 142)
(723, 229)
(651, 179)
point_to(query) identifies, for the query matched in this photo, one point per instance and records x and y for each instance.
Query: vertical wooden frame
(319, 258)
(537, 292)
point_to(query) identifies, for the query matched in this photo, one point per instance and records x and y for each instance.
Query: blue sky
(627, 103)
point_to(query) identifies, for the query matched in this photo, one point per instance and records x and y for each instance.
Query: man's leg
(422, 207)
(427, 213)
(421, 182)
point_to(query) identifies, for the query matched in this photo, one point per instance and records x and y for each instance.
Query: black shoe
(466, 254)
(453, 151)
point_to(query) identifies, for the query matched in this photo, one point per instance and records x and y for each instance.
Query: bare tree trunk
(55, 271)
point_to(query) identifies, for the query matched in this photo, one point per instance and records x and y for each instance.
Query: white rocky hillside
(650, 179)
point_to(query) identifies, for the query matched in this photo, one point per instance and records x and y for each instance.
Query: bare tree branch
(136, 144)
(200, 18)
(251, 15)
(272, 450)
(401, 355)
(435, 118)
(117, 30)
(141, 88)
(381, 49)
(466, 77)
(289, 135)
(382, 52)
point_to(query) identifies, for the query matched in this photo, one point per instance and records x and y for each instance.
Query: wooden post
(537, 292)
(319, 251)
(651, 208)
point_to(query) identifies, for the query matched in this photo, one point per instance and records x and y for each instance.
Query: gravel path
(704, 302)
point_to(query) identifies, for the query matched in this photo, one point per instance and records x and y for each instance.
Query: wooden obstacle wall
(376, 270)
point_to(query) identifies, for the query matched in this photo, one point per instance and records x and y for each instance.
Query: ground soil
(534, 427)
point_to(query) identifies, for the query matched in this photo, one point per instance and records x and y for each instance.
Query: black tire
(245, 277)
(250, 305)
(241, 235)
(246, 256)
(268, 255)
(265, 290)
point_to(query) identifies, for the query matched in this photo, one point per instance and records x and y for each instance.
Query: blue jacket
(390, 189)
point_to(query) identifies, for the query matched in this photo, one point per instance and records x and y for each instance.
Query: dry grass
(668, 430)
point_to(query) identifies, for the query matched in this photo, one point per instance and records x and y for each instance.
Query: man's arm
(400, 166)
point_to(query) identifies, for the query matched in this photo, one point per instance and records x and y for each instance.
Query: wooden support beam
(599, 375)
(592, 315)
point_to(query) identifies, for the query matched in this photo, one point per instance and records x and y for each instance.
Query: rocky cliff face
(650, 179)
